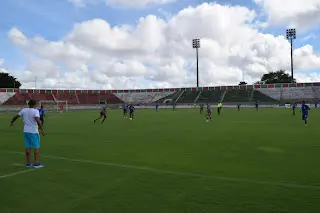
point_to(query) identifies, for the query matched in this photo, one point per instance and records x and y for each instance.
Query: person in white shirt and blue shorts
(32, 124)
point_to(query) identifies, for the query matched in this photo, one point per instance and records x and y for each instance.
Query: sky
(131, 44)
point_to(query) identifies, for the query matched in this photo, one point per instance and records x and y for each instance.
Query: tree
(242, 83)
(276, 77)
(8, 81)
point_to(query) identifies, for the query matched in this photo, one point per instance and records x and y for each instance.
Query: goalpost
(55, 106)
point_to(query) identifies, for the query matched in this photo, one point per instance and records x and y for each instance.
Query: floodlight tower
(196, 45)
(291, 35)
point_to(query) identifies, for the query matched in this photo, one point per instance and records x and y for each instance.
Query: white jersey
(29, 115)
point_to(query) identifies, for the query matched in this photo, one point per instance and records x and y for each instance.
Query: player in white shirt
(32, 124)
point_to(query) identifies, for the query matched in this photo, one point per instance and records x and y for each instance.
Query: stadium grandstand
(262, 93)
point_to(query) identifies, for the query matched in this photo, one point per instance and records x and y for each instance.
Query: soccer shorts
(32, 140)
(304, 117)
(42, 121)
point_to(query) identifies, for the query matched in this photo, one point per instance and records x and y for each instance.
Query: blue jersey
(208, 108)
(131, 108)
(157, 105)
(41, 113)
(305, 108)
(125, 107)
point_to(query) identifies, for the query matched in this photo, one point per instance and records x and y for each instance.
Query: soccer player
(102, 114)
(219, 108)
(174, 106)
(294, 105)
(157, 107)
(305, 112)
(208, 113)
(125, 110)
(257, 106)
(238, 106)
(201, 109)
(42, 114)
(131, 109)
(32, 124)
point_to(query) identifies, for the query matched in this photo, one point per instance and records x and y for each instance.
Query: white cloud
(158, 53)
(1, 61)
(307, 77)
(303, 14)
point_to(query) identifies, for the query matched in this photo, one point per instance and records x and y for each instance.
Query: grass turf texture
(166, 161)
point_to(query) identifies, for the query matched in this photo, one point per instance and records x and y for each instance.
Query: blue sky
(53, 19)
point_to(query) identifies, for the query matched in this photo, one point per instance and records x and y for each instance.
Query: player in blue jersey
(42, 114)
(125, 110)
(294, 105)
(305, 112)
(131, 110)
(157, 107)
(208, 113)
(257, 106)
(102, 114)
(238, 106)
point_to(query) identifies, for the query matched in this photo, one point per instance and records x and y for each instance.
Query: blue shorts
(304, 116)
(32, 140)
(42, 120)
(131, 112)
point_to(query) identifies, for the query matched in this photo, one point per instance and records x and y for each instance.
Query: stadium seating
(142, 97)
(263, 98)
(71, 98)
(296, 93)
(272, 93)
(171, 98)
(188, 97)
(210, 96)
(237, 96)
(18, 99)
(5, 96)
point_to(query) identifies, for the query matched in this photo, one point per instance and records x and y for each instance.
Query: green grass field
(165, 162)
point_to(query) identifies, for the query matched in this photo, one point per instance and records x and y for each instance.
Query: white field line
(18, 164)
(186, 174)
(15, 173)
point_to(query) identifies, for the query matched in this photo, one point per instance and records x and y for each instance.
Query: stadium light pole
(196, 45)
(291, 35)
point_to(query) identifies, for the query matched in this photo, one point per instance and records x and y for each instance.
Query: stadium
(215, 146)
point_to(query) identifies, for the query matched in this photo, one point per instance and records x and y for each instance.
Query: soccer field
(165, 161)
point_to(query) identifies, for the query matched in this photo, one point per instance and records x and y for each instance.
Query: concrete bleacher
(171, 98)
(210, 96)
(142, 97)
(72, 99)
(188, 97)
(290, 93)
(272, 93)
(297, 93)
(5, 96)
(262, 98)
(237, 96)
